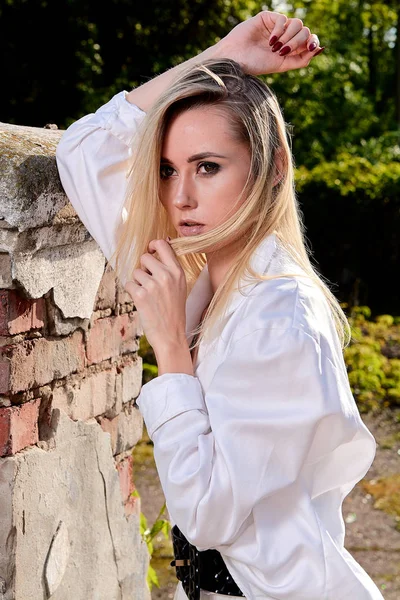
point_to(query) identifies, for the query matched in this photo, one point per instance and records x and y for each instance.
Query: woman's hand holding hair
(269, 42)
(159, 291)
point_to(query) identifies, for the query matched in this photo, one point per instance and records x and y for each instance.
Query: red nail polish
(285, 51)
(312, 46)
(320, 50)
(277, 46)
(272, 40)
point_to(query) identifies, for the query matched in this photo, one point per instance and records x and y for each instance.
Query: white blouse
(257, 451)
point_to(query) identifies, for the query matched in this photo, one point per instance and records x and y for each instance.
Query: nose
(184, 192)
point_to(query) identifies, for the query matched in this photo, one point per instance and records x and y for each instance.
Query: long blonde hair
(256, 119)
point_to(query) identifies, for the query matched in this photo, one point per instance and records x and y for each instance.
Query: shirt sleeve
(93, 157)
(239, 459)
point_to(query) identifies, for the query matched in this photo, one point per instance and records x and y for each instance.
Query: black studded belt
(200, 570)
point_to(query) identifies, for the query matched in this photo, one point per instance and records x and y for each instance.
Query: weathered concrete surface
(43, 244)
(74, 273)
(30, 189)
(73, 488)
(69, 527)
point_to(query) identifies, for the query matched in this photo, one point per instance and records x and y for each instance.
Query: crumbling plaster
(47, 245)
(64, 481)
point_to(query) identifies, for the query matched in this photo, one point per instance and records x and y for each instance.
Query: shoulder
(292, 303)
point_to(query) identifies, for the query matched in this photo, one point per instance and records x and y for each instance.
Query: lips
(189, 222)
(192, 229)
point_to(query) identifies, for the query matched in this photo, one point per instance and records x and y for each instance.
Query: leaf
(152, 578)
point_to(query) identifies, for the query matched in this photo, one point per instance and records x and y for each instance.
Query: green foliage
(149, 372)
(351, 207)
(343, 98)
(150, 369)
(347, 94)
(373, 360)
(342, 108)
(356, 176)
(148, 534)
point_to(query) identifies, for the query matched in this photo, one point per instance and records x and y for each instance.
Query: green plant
(373, 359)
(146, 352)
(148, 534)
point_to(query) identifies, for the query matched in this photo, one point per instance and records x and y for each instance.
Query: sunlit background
(64, 59)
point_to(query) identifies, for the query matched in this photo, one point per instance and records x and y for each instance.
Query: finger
(299, 60)
(292, 28)
(135, 291)
(310, 45)
(319, 51)
(165, 252)
(141, 278)
(279, 27)
(298, 41)
(167, 239)
(313, 42)
(150, 262)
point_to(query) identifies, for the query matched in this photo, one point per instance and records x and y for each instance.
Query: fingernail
(277, 46)
(272, 40)
(285, 51)
(312, 46)
(320, 50)
(168, 239)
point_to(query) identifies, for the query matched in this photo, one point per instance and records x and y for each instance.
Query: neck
(219, 262)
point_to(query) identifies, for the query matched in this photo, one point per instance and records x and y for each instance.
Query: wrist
(224, 49)
(217, 50)
(174, 357)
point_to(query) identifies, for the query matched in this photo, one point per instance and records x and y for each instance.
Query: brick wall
(69, 376)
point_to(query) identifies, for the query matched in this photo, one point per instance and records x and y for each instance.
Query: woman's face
(203, 169)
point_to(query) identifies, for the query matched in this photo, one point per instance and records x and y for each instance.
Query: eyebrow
(194, 157)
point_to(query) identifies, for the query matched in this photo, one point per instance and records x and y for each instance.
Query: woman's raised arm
(93, 158)
(94, 153)
(257, 44)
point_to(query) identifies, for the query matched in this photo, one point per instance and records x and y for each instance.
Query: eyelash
(215, 169)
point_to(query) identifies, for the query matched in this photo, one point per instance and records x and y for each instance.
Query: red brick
(4, 373)
(4, 312)
(91, 397)
(39, 313)
(18, 427)
(125, 472)
(112, 336)
(132, 506)
(131, 374)
(18, 314)
(33, 363)
(110, 426)
(5, 422)
(125, 429)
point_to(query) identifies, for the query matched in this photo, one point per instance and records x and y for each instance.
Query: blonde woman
(257, 438)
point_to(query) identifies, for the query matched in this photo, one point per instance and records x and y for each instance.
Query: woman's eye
(163, 174)
(206, 165)
(210, 168)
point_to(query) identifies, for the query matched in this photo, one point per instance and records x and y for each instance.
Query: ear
(279, 166)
